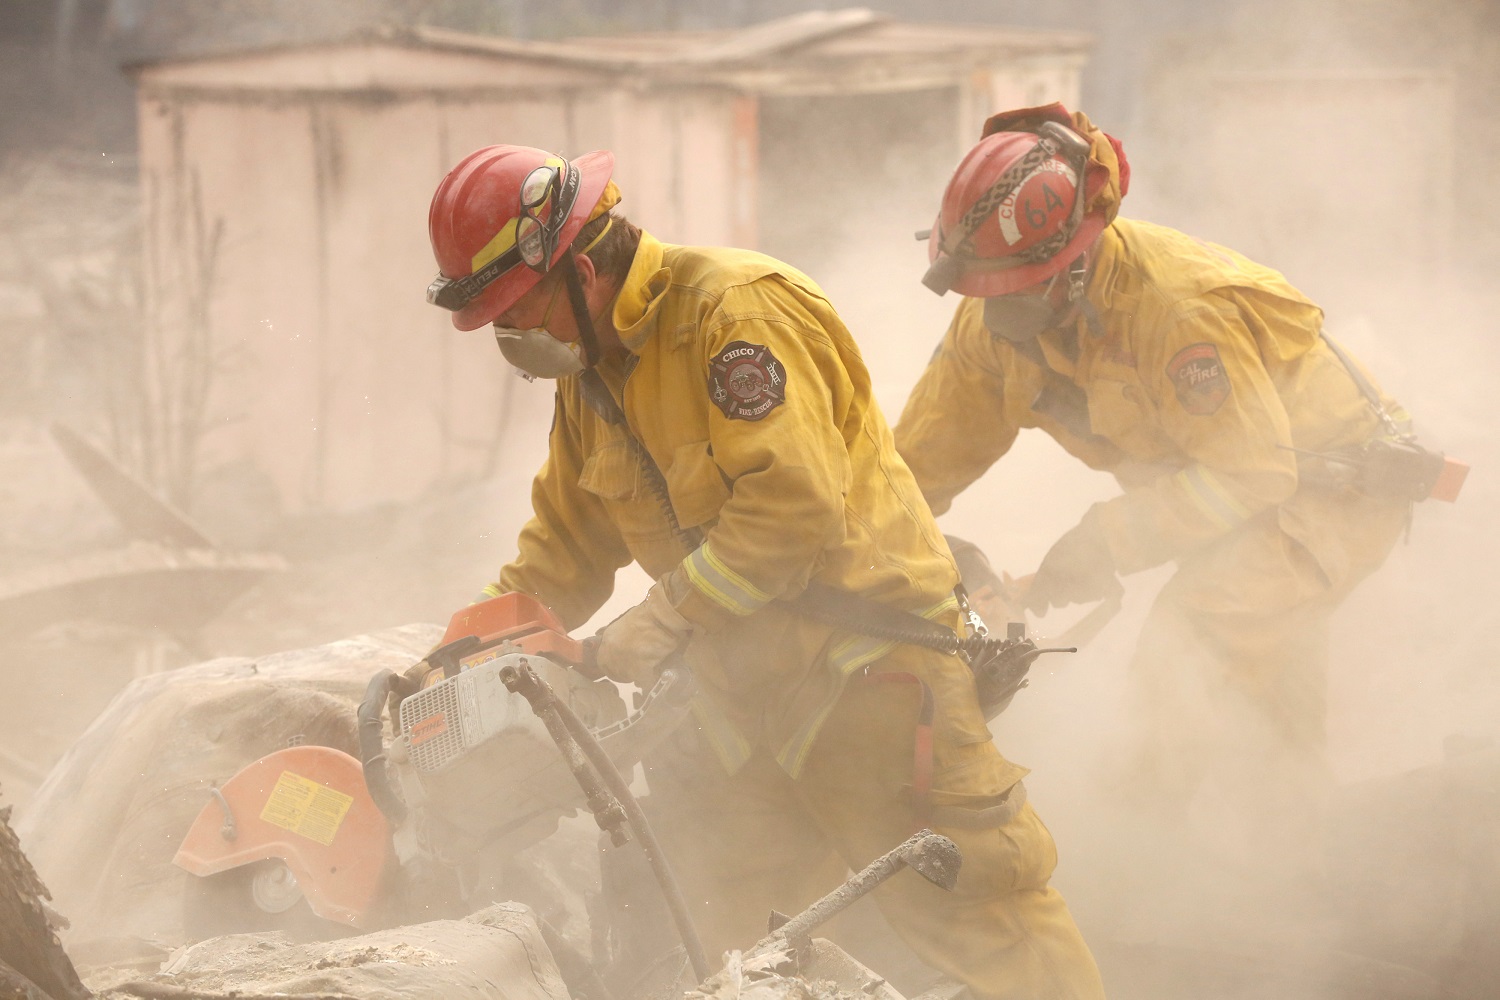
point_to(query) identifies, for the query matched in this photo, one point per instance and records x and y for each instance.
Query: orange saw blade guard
(308, 807)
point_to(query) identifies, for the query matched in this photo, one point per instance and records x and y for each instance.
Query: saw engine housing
(478, 771)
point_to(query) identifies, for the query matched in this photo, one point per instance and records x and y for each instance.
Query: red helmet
(501, 219)
(1013, 213)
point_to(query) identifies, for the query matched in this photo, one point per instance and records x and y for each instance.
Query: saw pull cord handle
(524, 681)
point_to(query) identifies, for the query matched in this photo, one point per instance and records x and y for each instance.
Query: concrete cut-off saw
(468, 771)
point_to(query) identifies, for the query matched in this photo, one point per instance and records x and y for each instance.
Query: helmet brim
(980, 284)
(595, 170)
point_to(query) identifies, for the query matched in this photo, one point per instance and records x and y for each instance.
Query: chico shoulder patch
(1198, 375)
(746, 381)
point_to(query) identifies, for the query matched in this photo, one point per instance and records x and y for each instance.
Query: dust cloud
(1344, 157)
(1341, 145)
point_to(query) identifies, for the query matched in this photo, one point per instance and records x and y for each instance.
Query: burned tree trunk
(33, 964)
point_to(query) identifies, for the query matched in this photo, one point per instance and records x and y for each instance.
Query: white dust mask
(535, 353)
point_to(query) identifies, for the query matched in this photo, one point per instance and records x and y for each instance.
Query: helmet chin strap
(1078, 273)
(581, 317)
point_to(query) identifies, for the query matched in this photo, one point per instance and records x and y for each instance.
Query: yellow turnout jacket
(751, 397)
(1203, 370)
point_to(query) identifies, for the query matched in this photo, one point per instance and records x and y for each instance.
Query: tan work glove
(632, 648)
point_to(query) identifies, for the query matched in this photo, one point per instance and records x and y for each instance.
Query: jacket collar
(641, 294)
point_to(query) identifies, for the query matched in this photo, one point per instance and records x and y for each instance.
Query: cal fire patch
(1199, 377)
(746, 381)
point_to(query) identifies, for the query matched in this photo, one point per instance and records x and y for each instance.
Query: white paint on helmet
(1005, 215)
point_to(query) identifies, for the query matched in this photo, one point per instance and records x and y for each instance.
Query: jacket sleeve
(569, 550)
(954, 427)
(788, 469)
(1214, 398)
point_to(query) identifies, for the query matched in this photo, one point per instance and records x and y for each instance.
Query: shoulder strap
(597, 397)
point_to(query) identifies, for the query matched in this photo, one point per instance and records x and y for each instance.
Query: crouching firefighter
(1252, 451)
(715, 424)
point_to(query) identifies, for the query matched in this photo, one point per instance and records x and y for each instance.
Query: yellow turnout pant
(1230, 674)
(760, 840)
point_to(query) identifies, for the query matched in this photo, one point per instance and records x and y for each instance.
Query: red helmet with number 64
(1013, 213)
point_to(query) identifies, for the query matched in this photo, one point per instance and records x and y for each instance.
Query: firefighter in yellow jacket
(1201, 381)
(714, 423)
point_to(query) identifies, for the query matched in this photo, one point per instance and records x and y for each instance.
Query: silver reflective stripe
(1210, 496)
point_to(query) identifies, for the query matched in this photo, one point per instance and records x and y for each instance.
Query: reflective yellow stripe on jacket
(721, 584)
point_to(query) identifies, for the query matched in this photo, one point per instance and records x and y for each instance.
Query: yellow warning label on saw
(306, 808)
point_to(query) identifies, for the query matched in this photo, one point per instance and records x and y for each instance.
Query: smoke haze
(1346, 144)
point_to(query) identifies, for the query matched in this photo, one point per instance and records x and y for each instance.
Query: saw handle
(372, 757)
(588, 665)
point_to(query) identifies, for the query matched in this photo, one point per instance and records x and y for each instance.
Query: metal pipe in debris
(931, 855)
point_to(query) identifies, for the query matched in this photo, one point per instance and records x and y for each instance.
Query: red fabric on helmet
(1026, 119)
(480, 197)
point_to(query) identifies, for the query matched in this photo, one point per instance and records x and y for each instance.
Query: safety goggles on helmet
(957, 257)
(546, 202)
(540, 219)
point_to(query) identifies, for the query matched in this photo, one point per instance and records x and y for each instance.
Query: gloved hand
(989, 595)
(1078, 569)
(974, 568)
(632, 648)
